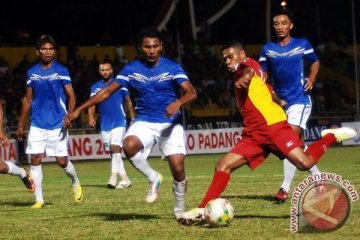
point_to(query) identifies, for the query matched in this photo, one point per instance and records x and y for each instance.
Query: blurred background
(193, 31)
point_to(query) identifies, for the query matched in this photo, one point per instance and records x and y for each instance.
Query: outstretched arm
(26, 104)
(314, 69)
(245, 79)
(189, 96)
(100, 96)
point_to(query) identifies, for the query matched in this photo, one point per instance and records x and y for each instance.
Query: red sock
(217, 186)
(318, 148)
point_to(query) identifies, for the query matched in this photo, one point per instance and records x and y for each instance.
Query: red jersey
(255, 103)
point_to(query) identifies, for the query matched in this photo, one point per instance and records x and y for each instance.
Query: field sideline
(123, 214)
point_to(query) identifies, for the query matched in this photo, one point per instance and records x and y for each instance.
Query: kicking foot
(341, 134)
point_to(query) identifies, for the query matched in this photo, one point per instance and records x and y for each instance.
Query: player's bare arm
(91, 112)
(26, 104)
(245, 79)
(314, 69)
(130, 108)
(71, 97)
(189, 96)
(3, 137)
(100, 96)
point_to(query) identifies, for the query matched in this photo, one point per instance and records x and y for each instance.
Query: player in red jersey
(266, 130)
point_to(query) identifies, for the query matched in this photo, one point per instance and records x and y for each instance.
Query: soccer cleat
(112, 183)
(78, 193)
(124, 184)
(28, 182)
(38, 205)
(193, 216)
(281, 196)
(153, 193)
(341, 134)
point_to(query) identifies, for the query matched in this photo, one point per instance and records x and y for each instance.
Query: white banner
(9, 152)
(87, 147)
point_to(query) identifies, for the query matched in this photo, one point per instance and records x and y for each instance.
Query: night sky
(83, 22)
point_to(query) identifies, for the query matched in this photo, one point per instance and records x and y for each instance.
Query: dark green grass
(123, 214)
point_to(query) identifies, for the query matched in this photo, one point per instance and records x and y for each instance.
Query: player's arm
(314, 69)
(25, 109)
(266, 77)
(91, 112)
(71, 97)
(188, 96)
(100, 96)
(3, 136)
(245, 79)
(130, 108)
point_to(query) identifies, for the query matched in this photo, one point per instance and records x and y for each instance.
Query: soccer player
(8, 167)
(155, 80)
(112, 123)
(266, 130)
(48, 84)
(283, 60)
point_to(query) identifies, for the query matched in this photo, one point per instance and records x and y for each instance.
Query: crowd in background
(205, 69)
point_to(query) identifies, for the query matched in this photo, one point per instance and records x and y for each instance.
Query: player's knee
(221, 166)
(305, 165)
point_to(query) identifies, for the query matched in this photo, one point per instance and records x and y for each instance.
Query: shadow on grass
(125, 217)
(95, 186)
(262, 216)
(20, 204)
(263, 197)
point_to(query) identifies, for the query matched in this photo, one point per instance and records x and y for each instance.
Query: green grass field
(123, 214)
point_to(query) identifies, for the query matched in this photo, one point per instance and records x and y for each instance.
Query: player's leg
(57, 147)
(172, 145)
(137, 145)
(9, 167)
(117, 162)
(36, 147)
(106, 137)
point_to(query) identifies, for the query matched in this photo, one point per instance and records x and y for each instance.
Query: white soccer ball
(219, 212)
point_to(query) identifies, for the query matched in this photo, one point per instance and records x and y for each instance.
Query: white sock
(114, 164)
(289, 173)
(15, 170)
(37, 176)
(70, 171)
(120, 162)
(140, 163)
(179, 190)
(314, 170)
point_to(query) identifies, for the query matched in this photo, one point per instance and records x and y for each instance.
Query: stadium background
(89, 31)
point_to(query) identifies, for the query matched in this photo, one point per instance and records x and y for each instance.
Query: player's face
(232, 57)
(282, 26)
(151, 50)
(46, 52)
(105, 71)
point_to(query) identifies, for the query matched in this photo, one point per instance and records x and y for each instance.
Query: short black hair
(151, 32)
(233, 43)
(45, 39)
(284, 11)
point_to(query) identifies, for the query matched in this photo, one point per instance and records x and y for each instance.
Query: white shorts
(298, 115)
(41, 140)
(171, 137)
(113, 137)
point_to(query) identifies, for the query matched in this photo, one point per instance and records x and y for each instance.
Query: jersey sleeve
(122, 78)
(309, 53)
(263, 60)
(180, 75)
(65, 76)
(93, 90)
(28, 79)
(124, 92)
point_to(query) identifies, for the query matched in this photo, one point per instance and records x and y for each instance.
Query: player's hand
(309, 84)
(19, 133)
(282, 103)
(172, 109)
(242, 83)
(71, 117)
(92, 122)
(4, 139)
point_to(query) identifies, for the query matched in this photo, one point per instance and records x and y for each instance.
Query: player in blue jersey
(8, 167)
(154, 80)
(283, 63)
(48, 92)
(112, 123)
